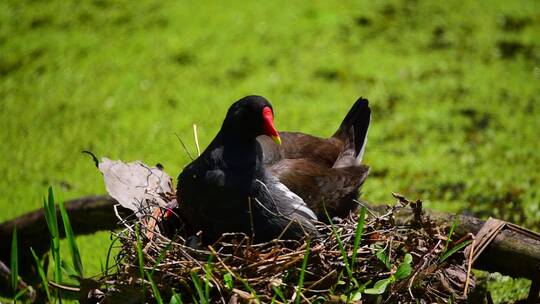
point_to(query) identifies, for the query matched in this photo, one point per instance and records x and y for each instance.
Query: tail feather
(355, 127)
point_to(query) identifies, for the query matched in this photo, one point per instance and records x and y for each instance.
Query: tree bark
(87, 215)
(514, 253)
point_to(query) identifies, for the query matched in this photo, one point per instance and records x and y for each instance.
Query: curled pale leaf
(136, 186)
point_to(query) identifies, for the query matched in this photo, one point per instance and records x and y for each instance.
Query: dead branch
(87, 215)
(513, 252)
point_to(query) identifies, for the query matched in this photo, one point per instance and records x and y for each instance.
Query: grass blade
(52, 224)
(454, 249)
(197, 283)
(69, 270)
(74, 249)
(448, 238)
(139, 251)
(162, 255)
(109, 251)
(208, 272)
(279, 293)
(42, 276)
(140, 256)
(358, 234)
(20, 294)
(340, 243)
(14, 262)
(302, 273)
(155, 289)
(175, 298)
(250, 289)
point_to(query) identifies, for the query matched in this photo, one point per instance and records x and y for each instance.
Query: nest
(391, 264)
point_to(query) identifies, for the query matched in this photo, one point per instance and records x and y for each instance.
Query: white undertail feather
(363, 149)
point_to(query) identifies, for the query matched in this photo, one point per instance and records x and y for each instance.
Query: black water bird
(229, 189)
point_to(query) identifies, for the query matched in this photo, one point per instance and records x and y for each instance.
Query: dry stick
(469, 266)
(304, 297)
(293, 262)
(186, 255)
(421, 266)
(64, 287)
(196, 139)
(218, 285)
(465, 237)
(368, 208)
(239, 245)
(152, 223)
(284, 230)
(222, 263)
(322, 279)
(281, 257)
(226, 267)
(390, 248)
(122, 221)
(275, 260)
(244, 295)
(5, 275)
(251, 218)
(184, 146)
(150, 234)
(166, 239)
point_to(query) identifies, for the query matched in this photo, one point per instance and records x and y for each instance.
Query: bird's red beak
(268, 125)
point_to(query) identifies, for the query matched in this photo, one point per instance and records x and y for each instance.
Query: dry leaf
(136, 186)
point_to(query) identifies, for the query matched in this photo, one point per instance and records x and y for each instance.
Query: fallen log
(512, 252)
(87, 214)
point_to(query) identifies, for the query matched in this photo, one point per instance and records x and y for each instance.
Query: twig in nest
(184, 146)
(196, 139)
(469, 266)
(152, 223)
(64, 287)
(94, 158)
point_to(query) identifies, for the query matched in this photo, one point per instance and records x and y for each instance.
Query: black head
(250, 117)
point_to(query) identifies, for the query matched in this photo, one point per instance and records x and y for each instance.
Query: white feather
(363, 149)
(297, 202)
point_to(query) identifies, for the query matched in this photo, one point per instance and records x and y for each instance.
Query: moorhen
(324, 172)
(228, 188)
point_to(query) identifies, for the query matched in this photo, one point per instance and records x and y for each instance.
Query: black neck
(237, 151)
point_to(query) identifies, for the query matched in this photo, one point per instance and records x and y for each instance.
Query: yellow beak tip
(277, 139)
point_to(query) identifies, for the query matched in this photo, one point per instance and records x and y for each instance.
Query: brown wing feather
(295, 145)
(323, 171)
(319, 185)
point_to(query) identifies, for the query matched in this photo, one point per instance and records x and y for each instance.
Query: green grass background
(454, 87)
